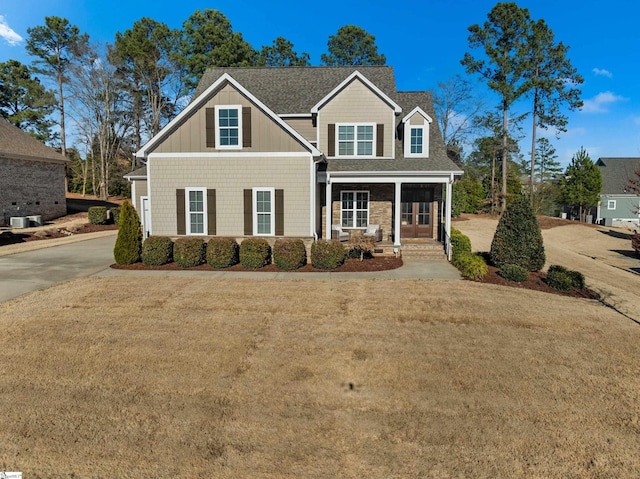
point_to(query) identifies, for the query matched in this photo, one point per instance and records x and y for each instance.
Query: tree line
(121, 94)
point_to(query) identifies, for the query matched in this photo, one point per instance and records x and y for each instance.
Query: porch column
(397, 209)
(328, 209)
(447, 218)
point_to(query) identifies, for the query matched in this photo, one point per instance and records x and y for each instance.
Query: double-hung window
(416, 141)
(229, 126)
(196, 209)
(354, 209)
(356, 140)
(264, 211)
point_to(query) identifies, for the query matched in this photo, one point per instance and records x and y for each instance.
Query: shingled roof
(295, 90)
(616, 173)
(15, 143)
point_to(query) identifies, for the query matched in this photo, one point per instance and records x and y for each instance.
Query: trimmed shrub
(129, 242)
(635, 243)
(460, 244)
(561, 278)
(114, 214)
(189, 252)
(157, 250)
(360, 247)
(255, 253)
(222, 252)
(327, 254)
(97, 215)
(577, 279)
(518, 239)
(471, 266)
(289, 254)
(514, 272)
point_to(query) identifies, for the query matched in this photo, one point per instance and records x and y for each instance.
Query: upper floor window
(416, 142)
(229, 126)
(356, 139)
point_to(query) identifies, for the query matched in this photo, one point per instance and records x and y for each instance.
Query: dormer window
(355, 140)
(229, 126)
(416, 134)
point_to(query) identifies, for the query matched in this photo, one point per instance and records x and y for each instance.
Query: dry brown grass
(198, 377)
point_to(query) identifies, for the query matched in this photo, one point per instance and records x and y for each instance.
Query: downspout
(314, 196)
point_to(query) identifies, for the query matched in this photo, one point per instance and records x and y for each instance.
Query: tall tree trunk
(493, 183)
(505, 125)
(533, 146)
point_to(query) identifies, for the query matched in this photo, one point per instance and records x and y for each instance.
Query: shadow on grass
(627, 253)
(617, 234)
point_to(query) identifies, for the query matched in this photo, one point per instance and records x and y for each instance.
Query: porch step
(423, 249)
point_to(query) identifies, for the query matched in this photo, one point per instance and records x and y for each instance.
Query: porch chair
(337, 233)
(373, 231)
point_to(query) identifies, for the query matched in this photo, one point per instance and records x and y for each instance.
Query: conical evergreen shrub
(518, 239)
(129, 243)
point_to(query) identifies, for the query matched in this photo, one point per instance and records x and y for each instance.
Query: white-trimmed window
(354, 209)
(611, 204)
(196, 209)
(229, 126)
(416, 143)
(356, 139)
(264, 217)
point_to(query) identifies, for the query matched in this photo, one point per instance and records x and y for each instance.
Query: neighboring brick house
(31, 176)
(618, 206)
(259, 150)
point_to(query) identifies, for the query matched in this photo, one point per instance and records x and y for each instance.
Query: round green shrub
(157, 250)
(189, 252)
(460, 243)
(472, 266)
(97, 215)
(129, 242)
(514, 272)
(289, 254)
(222, 252)
(577, 279)
(255, 253)
(558, 277)
(518, 239)
(327, 254)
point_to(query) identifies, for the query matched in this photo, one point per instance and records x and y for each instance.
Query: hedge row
(100, 215)
(252, 253)
(471, 266)
(564, 279)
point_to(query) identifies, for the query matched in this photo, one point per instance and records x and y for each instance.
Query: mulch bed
(379, 263)
(8, 237)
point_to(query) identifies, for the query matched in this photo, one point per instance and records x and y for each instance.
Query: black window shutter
(211, 212)
(279, 213)
(331, 139)
(248, 212)
(246, 126)
(210, 116)
(380, 139)
(180, 213)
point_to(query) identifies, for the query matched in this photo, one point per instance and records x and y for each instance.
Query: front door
(417, 215)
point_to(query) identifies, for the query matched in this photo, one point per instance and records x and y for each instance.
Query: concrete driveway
(21, 273)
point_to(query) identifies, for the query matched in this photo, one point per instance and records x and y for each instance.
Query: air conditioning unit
(35, 220)
(19, 222)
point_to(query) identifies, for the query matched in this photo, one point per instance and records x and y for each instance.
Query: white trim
(355, 209)
(272, 213)
(363, 79)
(407, 140)
(133, 194)
(295, 115)
(145, 227)
(226, 154)
(328, 207)
(238, 108)
(202, 99)
(417, 110)
(187, 211)
(355, 141)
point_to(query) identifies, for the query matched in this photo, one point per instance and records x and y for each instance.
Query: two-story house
(293, 151)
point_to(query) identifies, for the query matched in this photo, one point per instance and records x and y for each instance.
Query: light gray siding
(229, 176)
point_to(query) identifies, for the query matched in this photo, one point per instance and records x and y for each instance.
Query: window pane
(365, 133)
(345, 149)
(347, 219)
(365, 148)
(345, 133)
(263, 201)
(196, 201)
(197, 222)
(416, 140)
(361, 219)
(264, 223)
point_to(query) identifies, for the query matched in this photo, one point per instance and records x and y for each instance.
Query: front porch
(412, 210)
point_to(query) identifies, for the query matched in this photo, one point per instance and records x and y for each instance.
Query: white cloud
(602, 72)
(599, 103)
(7, 33)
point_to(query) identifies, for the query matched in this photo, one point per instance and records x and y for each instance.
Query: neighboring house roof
(15, 143)
(616, 173)
(139, 174)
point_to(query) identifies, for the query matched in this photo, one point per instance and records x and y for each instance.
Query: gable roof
(290, 90)
(202, 98)
(616, 173)
(15, 143)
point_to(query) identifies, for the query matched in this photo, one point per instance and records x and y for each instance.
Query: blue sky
(423, 41)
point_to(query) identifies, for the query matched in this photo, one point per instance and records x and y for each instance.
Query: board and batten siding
(356, 103)
(230, 176)
(266, 134)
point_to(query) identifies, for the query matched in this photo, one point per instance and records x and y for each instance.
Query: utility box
(35, 220)
(608, 221)
(19, 222)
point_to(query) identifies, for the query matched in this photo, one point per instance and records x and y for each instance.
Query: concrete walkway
(23, 272)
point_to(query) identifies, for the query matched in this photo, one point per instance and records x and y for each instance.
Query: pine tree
(128, 246)
(518, 239)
